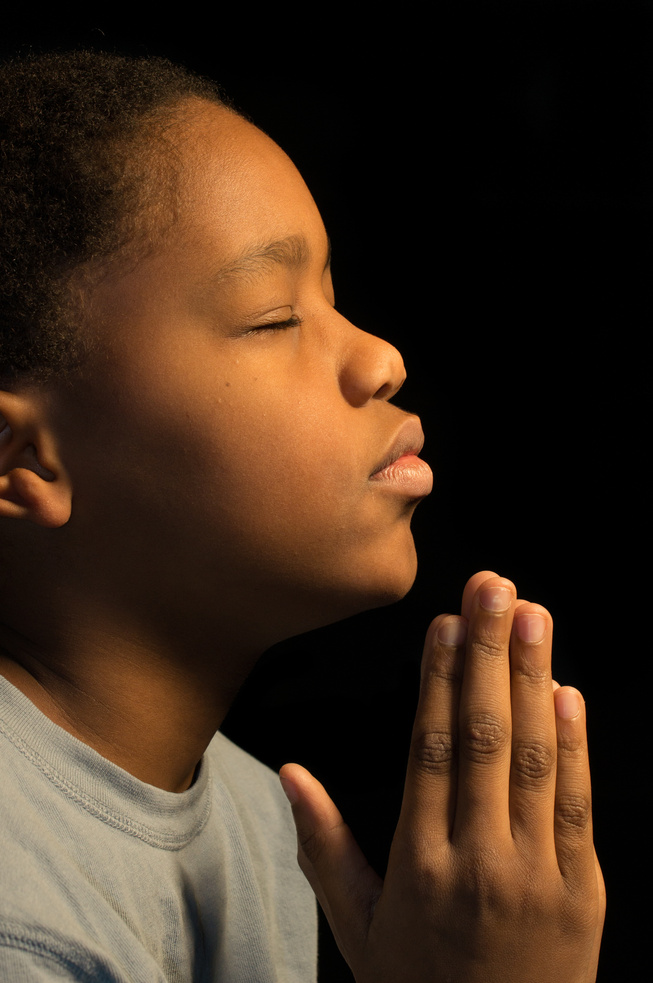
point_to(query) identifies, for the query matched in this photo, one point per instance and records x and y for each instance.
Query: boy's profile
(201, 457)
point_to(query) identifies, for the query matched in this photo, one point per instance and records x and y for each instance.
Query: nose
(371, 368)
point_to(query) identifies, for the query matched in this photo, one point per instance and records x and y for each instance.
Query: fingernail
(495, 599)
(452, 632)
(530, 627)
(567, 703)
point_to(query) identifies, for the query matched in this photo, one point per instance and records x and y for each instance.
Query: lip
(401, 467)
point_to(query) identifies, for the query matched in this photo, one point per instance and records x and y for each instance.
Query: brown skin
(492, 875)
(205, 491)
(216, 477)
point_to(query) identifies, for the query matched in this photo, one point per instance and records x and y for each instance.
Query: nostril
(388, 390)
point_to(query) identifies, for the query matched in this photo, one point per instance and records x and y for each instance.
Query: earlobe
(33, 482)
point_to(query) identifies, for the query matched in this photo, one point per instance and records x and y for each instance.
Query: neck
(152, 711)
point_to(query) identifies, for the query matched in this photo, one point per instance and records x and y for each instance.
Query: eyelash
(291, 322)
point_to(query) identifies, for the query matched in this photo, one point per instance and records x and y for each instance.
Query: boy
(200, 458)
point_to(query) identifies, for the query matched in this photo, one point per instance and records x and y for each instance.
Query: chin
(387, 591)
(384, 580)
(375, 586)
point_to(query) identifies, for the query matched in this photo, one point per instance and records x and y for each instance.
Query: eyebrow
(292, 252)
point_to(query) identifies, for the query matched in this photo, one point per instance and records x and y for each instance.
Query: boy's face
(223, 464)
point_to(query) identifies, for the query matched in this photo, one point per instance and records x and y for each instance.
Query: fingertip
(286, 770)
(432, 630)
(568, 702)
(471, 588)
(436, 633)
(290, 789)
(295, 779)
(482, 575)
(452, 631)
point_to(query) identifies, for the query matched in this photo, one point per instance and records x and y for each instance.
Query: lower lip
(409, 475)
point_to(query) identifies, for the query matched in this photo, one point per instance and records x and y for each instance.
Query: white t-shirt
(104, 879)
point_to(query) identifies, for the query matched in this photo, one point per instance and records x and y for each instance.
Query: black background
(484, 171)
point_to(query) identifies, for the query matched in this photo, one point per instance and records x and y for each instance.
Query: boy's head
(85, 175)
(195, 433)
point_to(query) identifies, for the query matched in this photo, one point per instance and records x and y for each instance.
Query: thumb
(333, 863)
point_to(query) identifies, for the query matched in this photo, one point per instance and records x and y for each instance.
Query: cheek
(277, 459)
(252, 492)
(244, 457)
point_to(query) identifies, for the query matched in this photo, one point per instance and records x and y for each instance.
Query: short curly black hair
(78, 170)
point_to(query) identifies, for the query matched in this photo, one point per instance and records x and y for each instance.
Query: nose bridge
(371, 367)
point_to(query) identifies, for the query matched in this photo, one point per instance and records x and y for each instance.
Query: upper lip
(409, 440)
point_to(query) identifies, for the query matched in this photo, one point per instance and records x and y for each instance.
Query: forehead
(239, 190)
(241, 205)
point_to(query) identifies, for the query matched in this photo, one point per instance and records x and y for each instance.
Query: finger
(533, 753)
(573, 795)
(484, 725)
(429, 797)
(471, 588)
(333, 863)
(594, 961)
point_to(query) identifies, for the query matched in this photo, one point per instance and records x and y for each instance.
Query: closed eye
(291, 322)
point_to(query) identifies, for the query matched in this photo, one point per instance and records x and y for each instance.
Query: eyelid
(291, 322)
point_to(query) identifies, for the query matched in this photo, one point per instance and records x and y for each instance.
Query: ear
(33, 482)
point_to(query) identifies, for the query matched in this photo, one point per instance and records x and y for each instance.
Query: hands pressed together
(492, 875)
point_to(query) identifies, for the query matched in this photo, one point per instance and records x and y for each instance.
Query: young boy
(200, 457)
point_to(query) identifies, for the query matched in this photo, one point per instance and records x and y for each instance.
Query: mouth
(402, 469)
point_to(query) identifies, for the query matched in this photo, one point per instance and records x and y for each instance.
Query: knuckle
(532, 763)
(489, 646)
(315, 843)
(483, 884)
(533, 674)
(484, 736)
(312, 846)
(571, 745)
(445, 670)
(434, 752)
(573, 813)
